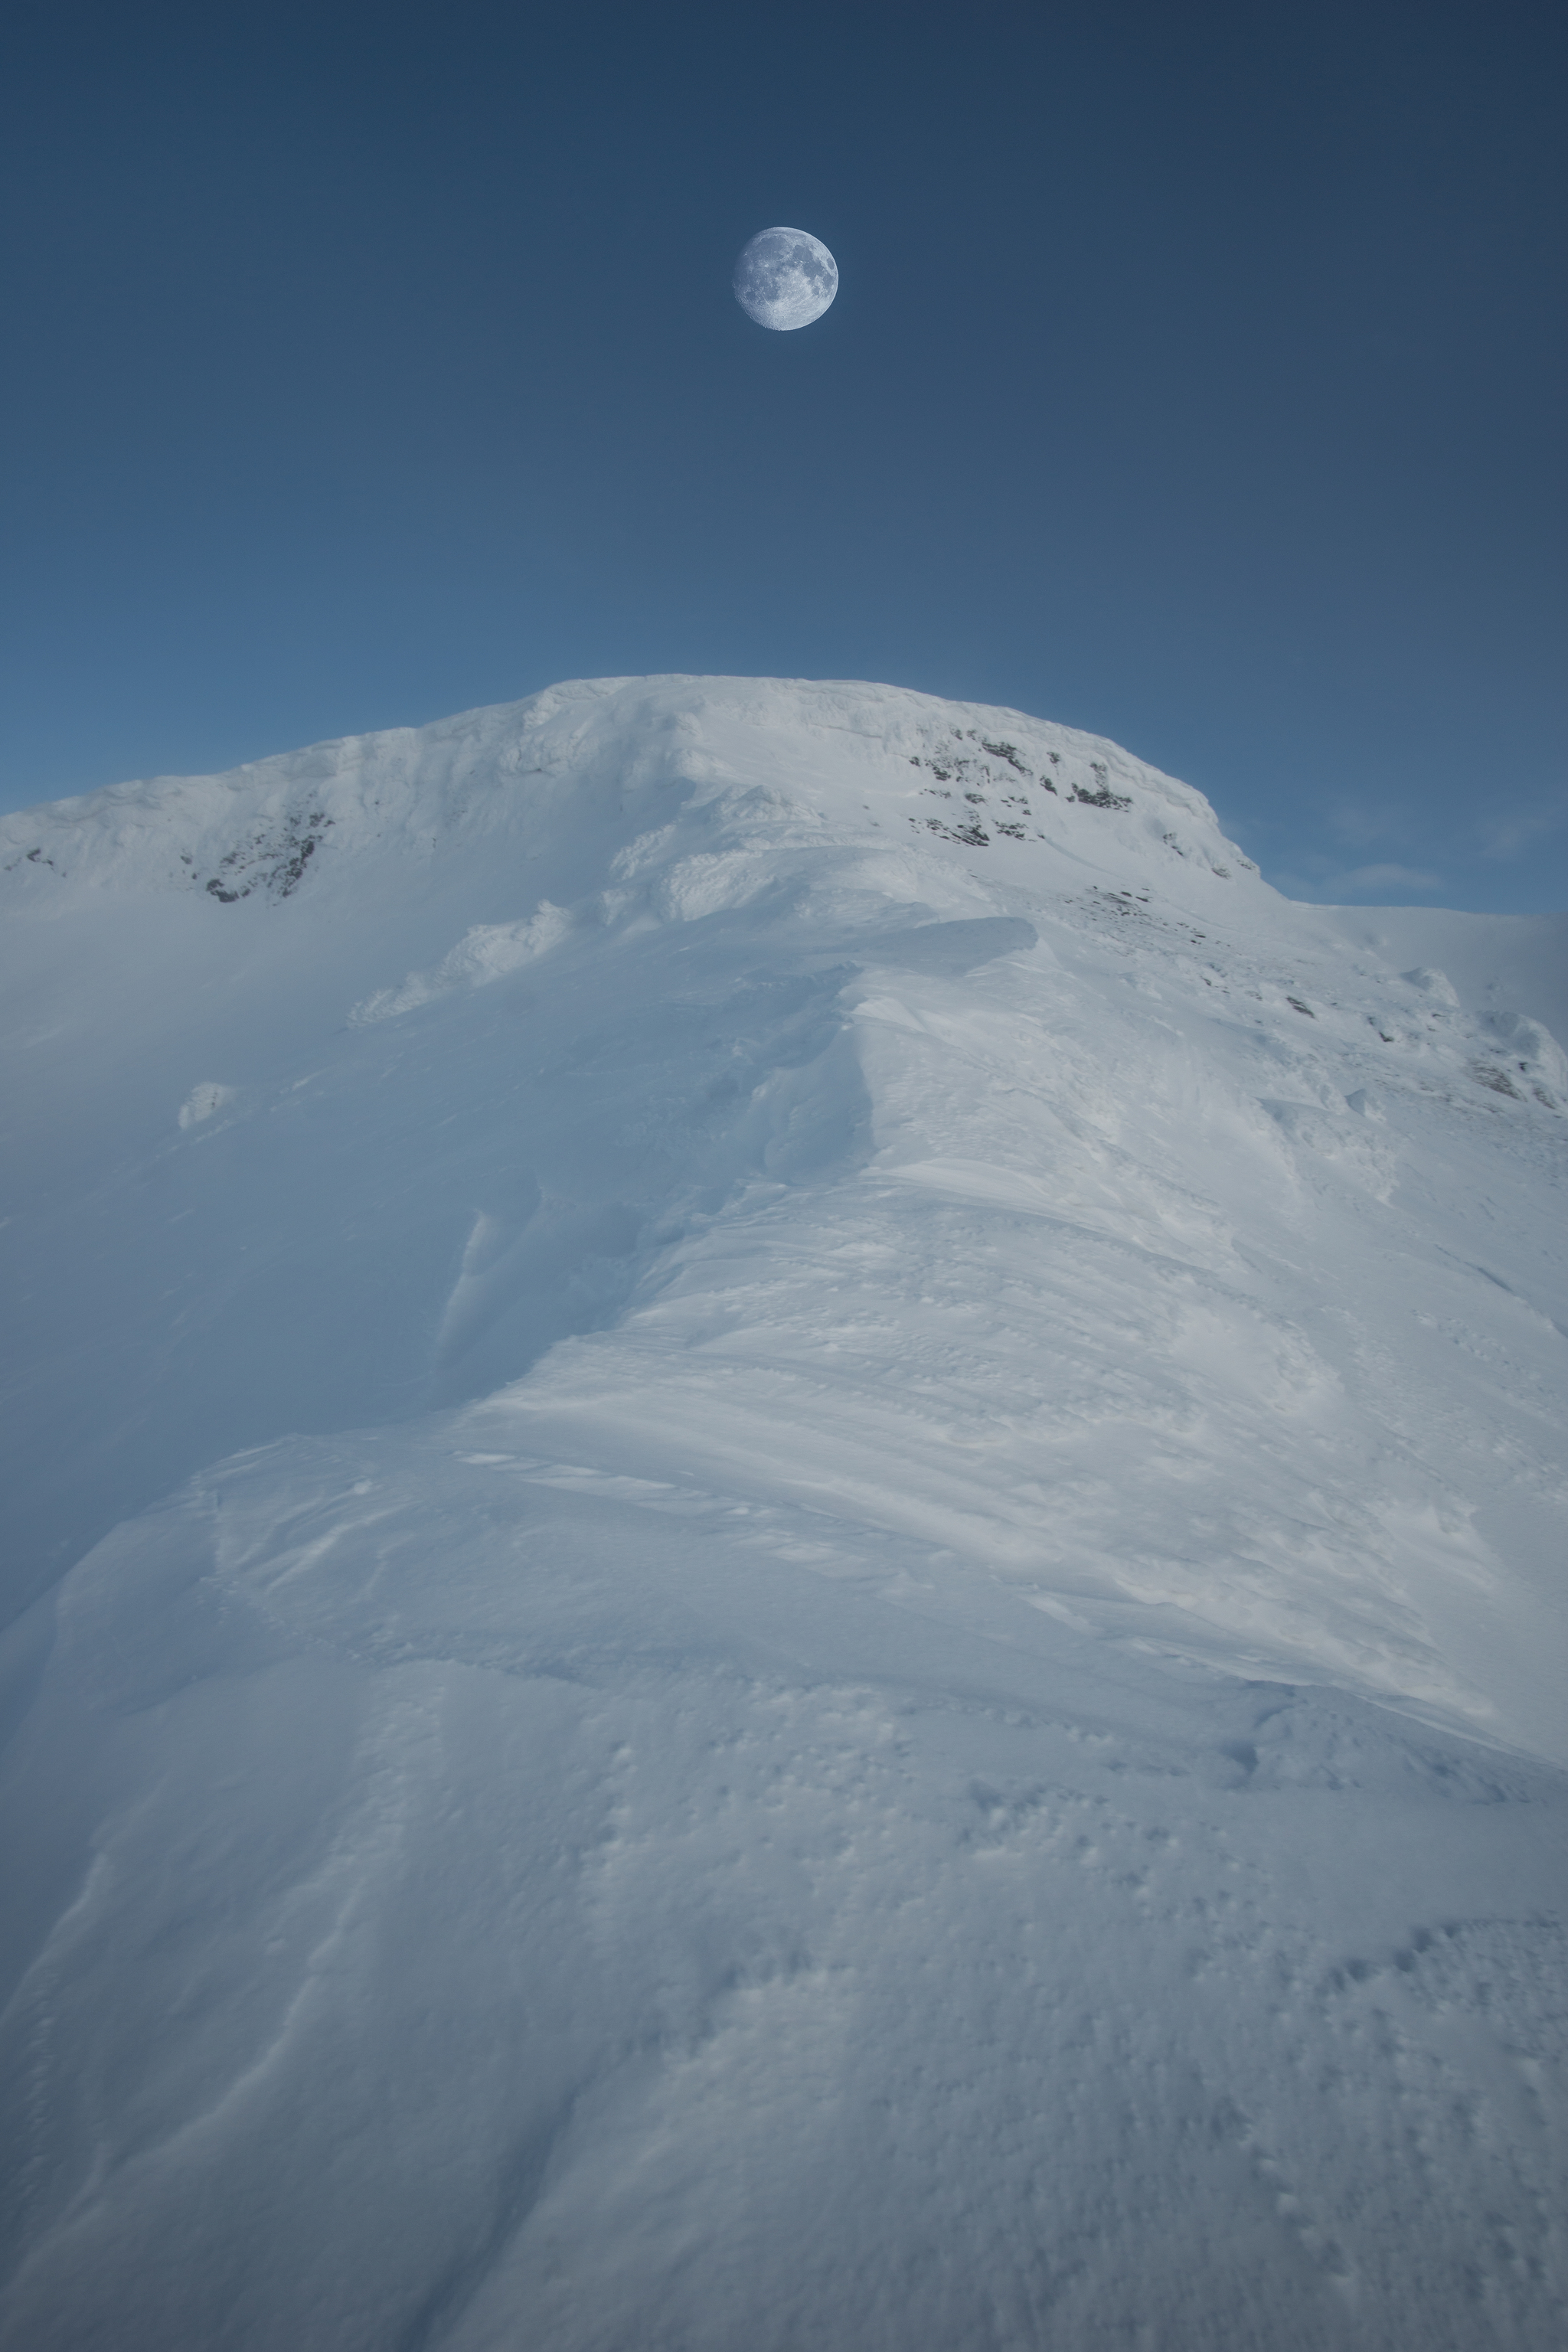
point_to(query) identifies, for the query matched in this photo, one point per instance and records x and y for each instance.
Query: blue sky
(1197, 376)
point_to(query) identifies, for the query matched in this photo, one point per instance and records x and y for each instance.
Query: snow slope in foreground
(786, 1513)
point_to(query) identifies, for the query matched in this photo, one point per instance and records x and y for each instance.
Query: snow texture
(784, 1557)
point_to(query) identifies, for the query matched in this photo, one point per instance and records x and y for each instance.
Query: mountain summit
(784, 1562)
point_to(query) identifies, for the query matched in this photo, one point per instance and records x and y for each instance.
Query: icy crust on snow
(783, 1569)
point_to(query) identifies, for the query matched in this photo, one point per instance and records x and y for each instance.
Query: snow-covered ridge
(540, 858)
(783, 1558)
(674, 798)
(825, 753)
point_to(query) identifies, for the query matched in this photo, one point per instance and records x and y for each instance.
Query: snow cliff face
(760, 1436)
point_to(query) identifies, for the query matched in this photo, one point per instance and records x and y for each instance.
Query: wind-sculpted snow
(786, 1515)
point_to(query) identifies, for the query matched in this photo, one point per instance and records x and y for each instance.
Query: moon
(786, 277)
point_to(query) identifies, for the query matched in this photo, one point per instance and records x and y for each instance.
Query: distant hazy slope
(887, 1668)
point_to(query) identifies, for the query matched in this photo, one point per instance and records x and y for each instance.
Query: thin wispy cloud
(1510, 835)
(1361, 823)
(1387, 877)
(1331, 886)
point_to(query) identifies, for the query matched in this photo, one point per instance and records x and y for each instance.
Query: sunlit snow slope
(785, 1557)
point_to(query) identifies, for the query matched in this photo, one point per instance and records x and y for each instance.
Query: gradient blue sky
(1197, 375)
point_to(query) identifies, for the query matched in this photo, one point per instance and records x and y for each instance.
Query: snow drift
(785, 1556)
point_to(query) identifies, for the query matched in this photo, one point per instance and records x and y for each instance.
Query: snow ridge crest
(598, 752)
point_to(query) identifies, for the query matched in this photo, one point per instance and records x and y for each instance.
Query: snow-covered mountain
(785, 1557)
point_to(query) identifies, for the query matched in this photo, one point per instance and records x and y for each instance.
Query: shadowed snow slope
(785, 1559)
